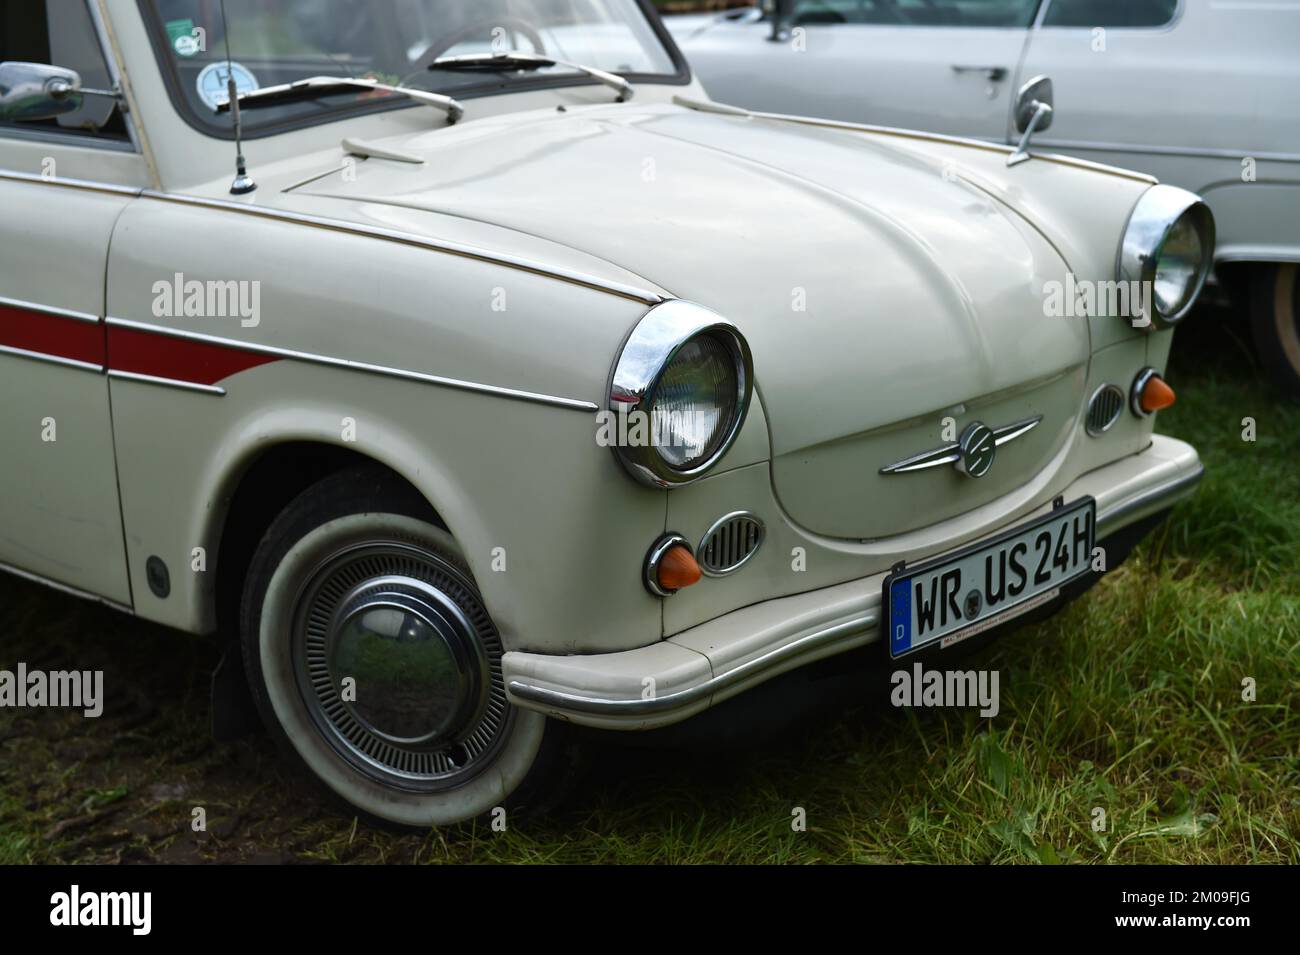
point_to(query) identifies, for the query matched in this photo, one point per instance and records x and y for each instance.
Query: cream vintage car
(495, 379)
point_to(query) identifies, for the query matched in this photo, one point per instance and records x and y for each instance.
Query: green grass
(1129, 701)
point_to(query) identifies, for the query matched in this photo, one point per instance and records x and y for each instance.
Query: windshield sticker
(186, 39)
(212, 82)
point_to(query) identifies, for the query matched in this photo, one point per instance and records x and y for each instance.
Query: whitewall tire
(1275, 321)
(375, 664)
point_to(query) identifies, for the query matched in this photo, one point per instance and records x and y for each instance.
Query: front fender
(526, 477)
(553, 532)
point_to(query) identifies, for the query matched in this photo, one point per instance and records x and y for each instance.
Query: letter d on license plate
(956, 596)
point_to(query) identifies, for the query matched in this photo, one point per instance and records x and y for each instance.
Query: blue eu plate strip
(900, 616)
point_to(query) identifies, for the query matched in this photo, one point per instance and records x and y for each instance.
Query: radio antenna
(243, 183)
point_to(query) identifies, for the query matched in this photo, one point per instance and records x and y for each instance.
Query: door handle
(994, 73)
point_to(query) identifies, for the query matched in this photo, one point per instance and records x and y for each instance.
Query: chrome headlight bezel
(648, 351)
(1160, 209)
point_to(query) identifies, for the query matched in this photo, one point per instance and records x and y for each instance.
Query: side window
(937, 13)
(62, 33)
(1110, 13)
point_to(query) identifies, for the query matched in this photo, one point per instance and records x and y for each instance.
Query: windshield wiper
(490, 62)
(315, 86)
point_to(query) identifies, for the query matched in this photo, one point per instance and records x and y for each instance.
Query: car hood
(873, 282)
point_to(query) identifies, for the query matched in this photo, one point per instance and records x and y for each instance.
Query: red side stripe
(124, 349)
(51, 335)
(180, 359)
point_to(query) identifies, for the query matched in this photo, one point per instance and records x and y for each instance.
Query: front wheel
(1275, 321)
(375, 664)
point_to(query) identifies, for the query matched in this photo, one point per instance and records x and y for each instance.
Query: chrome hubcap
(400, 665)
(417, 672)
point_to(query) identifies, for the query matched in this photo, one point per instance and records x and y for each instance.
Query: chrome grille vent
(1104, 409)
(730, 542)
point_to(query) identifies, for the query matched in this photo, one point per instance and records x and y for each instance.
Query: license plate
(956, 596)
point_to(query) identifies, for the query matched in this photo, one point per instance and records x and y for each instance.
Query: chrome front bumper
(678, 677)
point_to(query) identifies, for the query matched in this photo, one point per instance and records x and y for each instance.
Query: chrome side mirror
(32, 91)
(1033, 114)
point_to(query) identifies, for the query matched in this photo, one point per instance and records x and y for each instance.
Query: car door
(1101, 54)
(1180, 89)
(63, 183)
(945, 66)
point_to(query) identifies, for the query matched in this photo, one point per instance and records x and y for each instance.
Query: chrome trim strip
(709, 106)
(1173, 489)
(644, 296)
(948, 454)
(345, 363)
(317, 176)
(85, 184)
(168, 382)
(51, 359)
(1012, 431)
(406, 238)
(49, 310)
(65, 588)
(18, 134)
(1152, 150)
(1256, 254)
(1100, 167)
(683, 698)
(951, 453)
(984, 144)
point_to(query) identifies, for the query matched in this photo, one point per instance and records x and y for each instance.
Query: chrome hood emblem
(972, 454)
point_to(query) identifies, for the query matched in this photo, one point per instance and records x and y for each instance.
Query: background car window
(1110, 13)
(944, 13)
(61, 33)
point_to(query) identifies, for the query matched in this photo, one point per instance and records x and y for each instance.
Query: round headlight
(680, 391)
(695, 402)
(1168, 248)
(1178, 267)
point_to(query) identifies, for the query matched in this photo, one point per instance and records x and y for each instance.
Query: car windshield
(394, 41)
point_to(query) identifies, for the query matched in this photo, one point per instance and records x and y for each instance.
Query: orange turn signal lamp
(1151, 393)
(670, 566)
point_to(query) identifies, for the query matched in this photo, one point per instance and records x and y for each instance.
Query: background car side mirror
(33, 91)
(1033, 114)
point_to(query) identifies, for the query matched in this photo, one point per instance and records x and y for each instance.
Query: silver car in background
(1199, 93)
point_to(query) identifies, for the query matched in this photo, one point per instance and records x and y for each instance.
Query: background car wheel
(375, 665)
(1275, 321)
